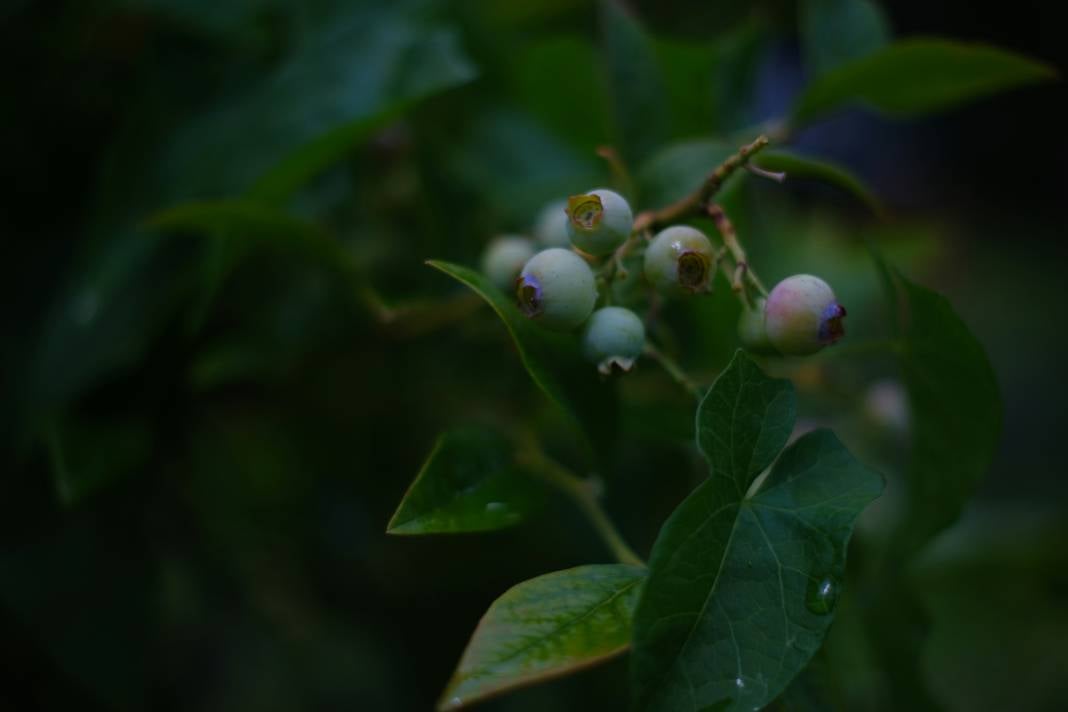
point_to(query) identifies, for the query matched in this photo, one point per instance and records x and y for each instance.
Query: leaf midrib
(560, 629)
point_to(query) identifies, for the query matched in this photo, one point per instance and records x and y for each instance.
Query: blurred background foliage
(224, 358)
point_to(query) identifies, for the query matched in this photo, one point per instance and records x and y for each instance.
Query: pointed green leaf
(741, 590)
(955, 411)
(553, 360)
(744, 421)
(796, 166)
(636, 85)
(919, 76)
(835, 32)
(469, 483)
(548, 626)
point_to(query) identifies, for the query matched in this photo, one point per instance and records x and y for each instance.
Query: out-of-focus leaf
(88, 456)
(469, 483)
(517, 166)
(836, 32)
(976, 616)
(742, 588)
(635, 82)
(677, 170)
(919, 76)
(553, 360)
(559, 81)
(331, 94)
(250, 220)
(797, 166)
(709, 84)
(955, 411)
(96, 317)
(548, 626)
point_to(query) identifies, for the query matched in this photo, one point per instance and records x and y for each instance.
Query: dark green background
(202, 445)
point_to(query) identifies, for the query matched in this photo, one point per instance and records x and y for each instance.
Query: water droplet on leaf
(822, 595)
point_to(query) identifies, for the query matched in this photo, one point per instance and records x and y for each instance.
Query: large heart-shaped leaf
(955, 411)
(553, 360)
(469, 483)
(918, 76)
(741, 586)
(548, 626)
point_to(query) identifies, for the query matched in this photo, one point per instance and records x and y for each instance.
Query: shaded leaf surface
(469, 483)
(636, 85)
(553, 360)
(741, 589)
(835, 32)
(919, 76)
(797, 166)
(956, 411)
(545, 627)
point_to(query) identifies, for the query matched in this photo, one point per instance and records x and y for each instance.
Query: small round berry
(557, 288)
(551, 227)
(802, 316)
(598, 221)
(614, 338)
(504, 257)
(680, 260)
(753, 331)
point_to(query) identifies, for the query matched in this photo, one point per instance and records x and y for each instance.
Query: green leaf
(636, 86)
(559, 81)
(741, 589)
(797, 166)
(469, 483)
(955, 411)
(548, 626)
(553, 360)
(835, 32)
(676, 170)
(339, 85)
(89, 455)
(919, 76)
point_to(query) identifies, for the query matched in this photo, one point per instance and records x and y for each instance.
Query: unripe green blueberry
(802, 316)
(504, 257)
(557, 288)
(753, 331)
(679, 261)
(614, 338)
(598, 221)
(551, 226)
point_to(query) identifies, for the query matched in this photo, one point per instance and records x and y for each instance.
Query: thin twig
(730, 240)
(584, 492)
(695, 202)
(674, 370)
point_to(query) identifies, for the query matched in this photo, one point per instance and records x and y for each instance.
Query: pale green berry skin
(550, 230)
(679, 261)
(753, 329)
(557, 289)
(599, 221)
(802, 316)
(503, 259)
(614, 338)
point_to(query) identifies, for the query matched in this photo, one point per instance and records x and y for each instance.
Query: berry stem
(730, 240)
(584, 493)
(674, 370)
(620, 174)
(695, 202)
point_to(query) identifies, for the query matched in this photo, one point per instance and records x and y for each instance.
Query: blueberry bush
(720, 441)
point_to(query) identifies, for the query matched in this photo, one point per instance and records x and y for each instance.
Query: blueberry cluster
(555, 285)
